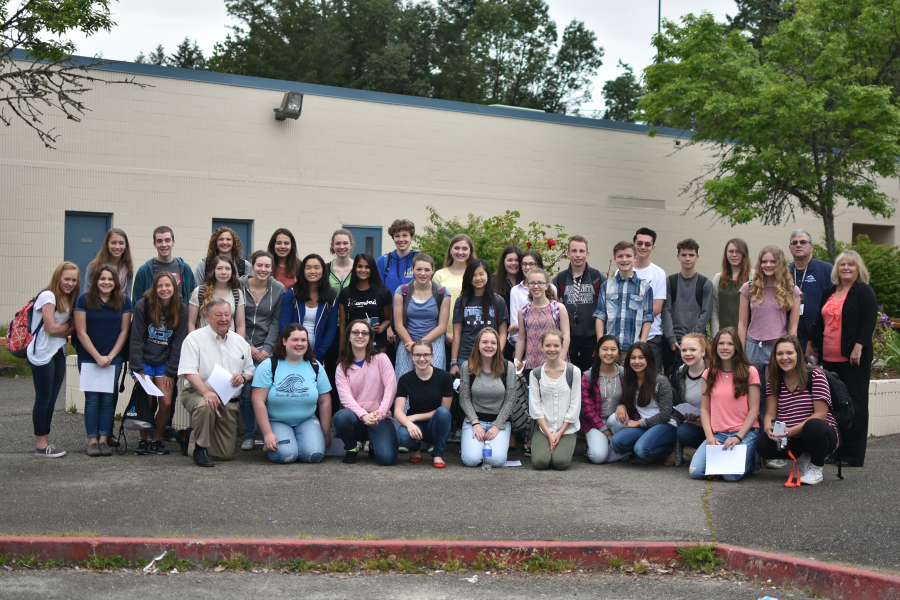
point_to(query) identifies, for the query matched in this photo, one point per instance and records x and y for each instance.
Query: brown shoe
(670, 460)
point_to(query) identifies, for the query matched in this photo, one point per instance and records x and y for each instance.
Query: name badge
(801, 309)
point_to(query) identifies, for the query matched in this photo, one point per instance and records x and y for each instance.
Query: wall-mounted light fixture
(290, 107)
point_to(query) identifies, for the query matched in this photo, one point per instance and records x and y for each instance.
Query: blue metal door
(367, 239)
(244, 230)
(84, 237)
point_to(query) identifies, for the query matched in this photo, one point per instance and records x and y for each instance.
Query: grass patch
(27, 561)
(614, 562)
(543, 563)
(452, 564)
(171, 561)
(639, 567)
(704, 498)
(4, 560)
(55, 564)
(237, 562)
(701, 556)
(142, 562)
(103, 563)
(336, 566)
(301, 565)
(393, 563)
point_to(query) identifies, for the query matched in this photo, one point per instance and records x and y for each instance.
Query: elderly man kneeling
(214, 425)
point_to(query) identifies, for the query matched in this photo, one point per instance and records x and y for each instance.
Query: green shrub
(883, 263)
(490, 236)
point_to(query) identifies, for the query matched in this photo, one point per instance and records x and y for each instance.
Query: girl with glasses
(425, 394)
(367, 389)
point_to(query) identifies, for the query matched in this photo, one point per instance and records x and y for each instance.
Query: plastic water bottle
(486, 454)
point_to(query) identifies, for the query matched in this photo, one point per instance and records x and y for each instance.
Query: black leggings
(817, 438)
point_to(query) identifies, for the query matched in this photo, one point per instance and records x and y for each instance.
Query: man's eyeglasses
(799, 243)
(644, 244)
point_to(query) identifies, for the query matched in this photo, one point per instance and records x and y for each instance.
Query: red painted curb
(835, 581)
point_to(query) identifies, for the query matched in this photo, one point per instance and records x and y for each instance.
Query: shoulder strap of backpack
(570, 374)
(315, 366)
(673, 287)
(237, 297)
(698, 290)
(438, 291)
(537, 374)
(274, 363)
(387, 267)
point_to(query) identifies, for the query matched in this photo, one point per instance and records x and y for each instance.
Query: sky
(623, 28)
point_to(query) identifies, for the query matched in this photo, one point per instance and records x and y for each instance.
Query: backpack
(698, 289)
(19, 335)
(841, 404)
(570, 374)
(201, 291)
(436, 290)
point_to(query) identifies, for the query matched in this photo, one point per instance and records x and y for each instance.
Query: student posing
(487, 389)
(164, 242)
(51, 325)
(283, 247)
(312, 303)
(224, 241)
(421, 311)
(459, 254)
(159, 325)
(222, 282)
(367, 388)
(365, 298)
(477, 308)
(540, 315)
(554, 401)
(625, 304)
(689, 300)
(687, 388)
(262, 313)
(727, 284)
(579, 287)
(646, 419)
(508, 275)
(429, 392)
(285, 400)
(801, 399)
(730, 406)
(102, 323)
(518, 295)
(601, 395)
(116, 251)
(645, 243)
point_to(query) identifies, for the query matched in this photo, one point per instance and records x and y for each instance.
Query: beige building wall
(184, 152)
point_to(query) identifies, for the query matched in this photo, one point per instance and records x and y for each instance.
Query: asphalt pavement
(851, 521)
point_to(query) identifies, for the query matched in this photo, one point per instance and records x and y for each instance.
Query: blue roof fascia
(361, 95)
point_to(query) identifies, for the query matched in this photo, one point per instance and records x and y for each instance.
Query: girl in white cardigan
(554, 402)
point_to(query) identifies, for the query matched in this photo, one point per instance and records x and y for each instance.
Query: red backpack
(19, 335)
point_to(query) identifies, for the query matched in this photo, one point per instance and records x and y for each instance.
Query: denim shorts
(154, 370)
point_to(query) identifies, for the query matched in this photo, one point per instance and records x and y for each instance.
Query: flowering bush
(883, 264)
(490, 236)
(884, 336)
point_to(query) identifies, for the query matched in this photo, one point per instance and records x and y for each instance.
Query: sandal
(439, 465)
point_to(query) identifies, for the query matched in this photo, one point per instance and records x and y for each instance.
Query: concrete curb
(835, 581)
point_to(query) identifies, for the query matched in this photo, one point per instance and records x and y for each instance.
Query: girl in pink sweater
(367, 387)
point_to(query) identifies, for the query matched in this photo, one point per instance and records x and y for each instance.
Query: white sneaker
(805, 461)
(812, 476)
(402, 449)
(249, 444)
(776, 463)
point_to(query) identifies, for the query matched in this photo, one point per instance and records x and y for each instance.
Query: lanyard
(802, 278)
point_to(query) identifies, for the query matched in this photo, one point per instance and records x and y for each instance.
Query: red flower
(528, 244)
(551, 242)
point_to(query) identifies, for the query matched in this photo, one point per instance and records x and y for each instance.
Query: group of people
(394, 354)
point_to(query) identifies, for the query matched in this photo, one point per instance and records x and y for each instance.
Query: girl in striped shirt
(800, 398)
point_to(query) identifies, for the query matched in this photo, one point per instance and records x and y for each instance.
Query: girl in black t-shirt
(367, 299)
(426, 415)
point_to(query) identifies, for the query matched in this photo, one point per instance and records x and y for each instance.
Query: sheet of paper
(726, 462)
(687, 409)
(148, 385)
(95, 378)
(220, 382)
(513, 463)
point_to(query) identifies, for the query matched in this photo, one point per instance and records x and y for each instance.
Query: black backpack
(841, 404)
(274, 364)
(202, 292)
(698, 289)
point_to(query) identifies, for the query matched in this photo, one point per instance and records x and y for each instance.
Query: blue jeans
(99, 409)
(247, 415)
(382, 437)
(656, 442)
(472, 449)
(304, 442)
(47, 381)
(434, 432)
(698, 463)
(691, 435)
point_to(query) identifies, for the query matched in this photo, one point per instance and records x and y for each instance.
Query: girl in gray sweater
(487, 389)
(646, 410)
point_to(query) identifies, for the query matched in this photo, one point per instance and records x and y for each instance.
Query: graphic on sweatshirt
(160, 335)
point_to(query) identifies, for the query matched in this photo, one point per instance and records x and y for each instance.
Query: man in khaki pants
(214, 425)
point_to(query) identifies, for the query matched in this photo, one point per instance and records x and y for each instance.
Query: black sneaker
(350, 457)
(169, 434)
(143, 448)
(158, 448)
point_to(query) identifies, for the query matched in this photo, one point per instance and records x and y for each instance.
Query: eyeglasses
(537, 284)
(360, 333)
(529, 264)
(422, 356)
(799, 243)
(643, 244)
